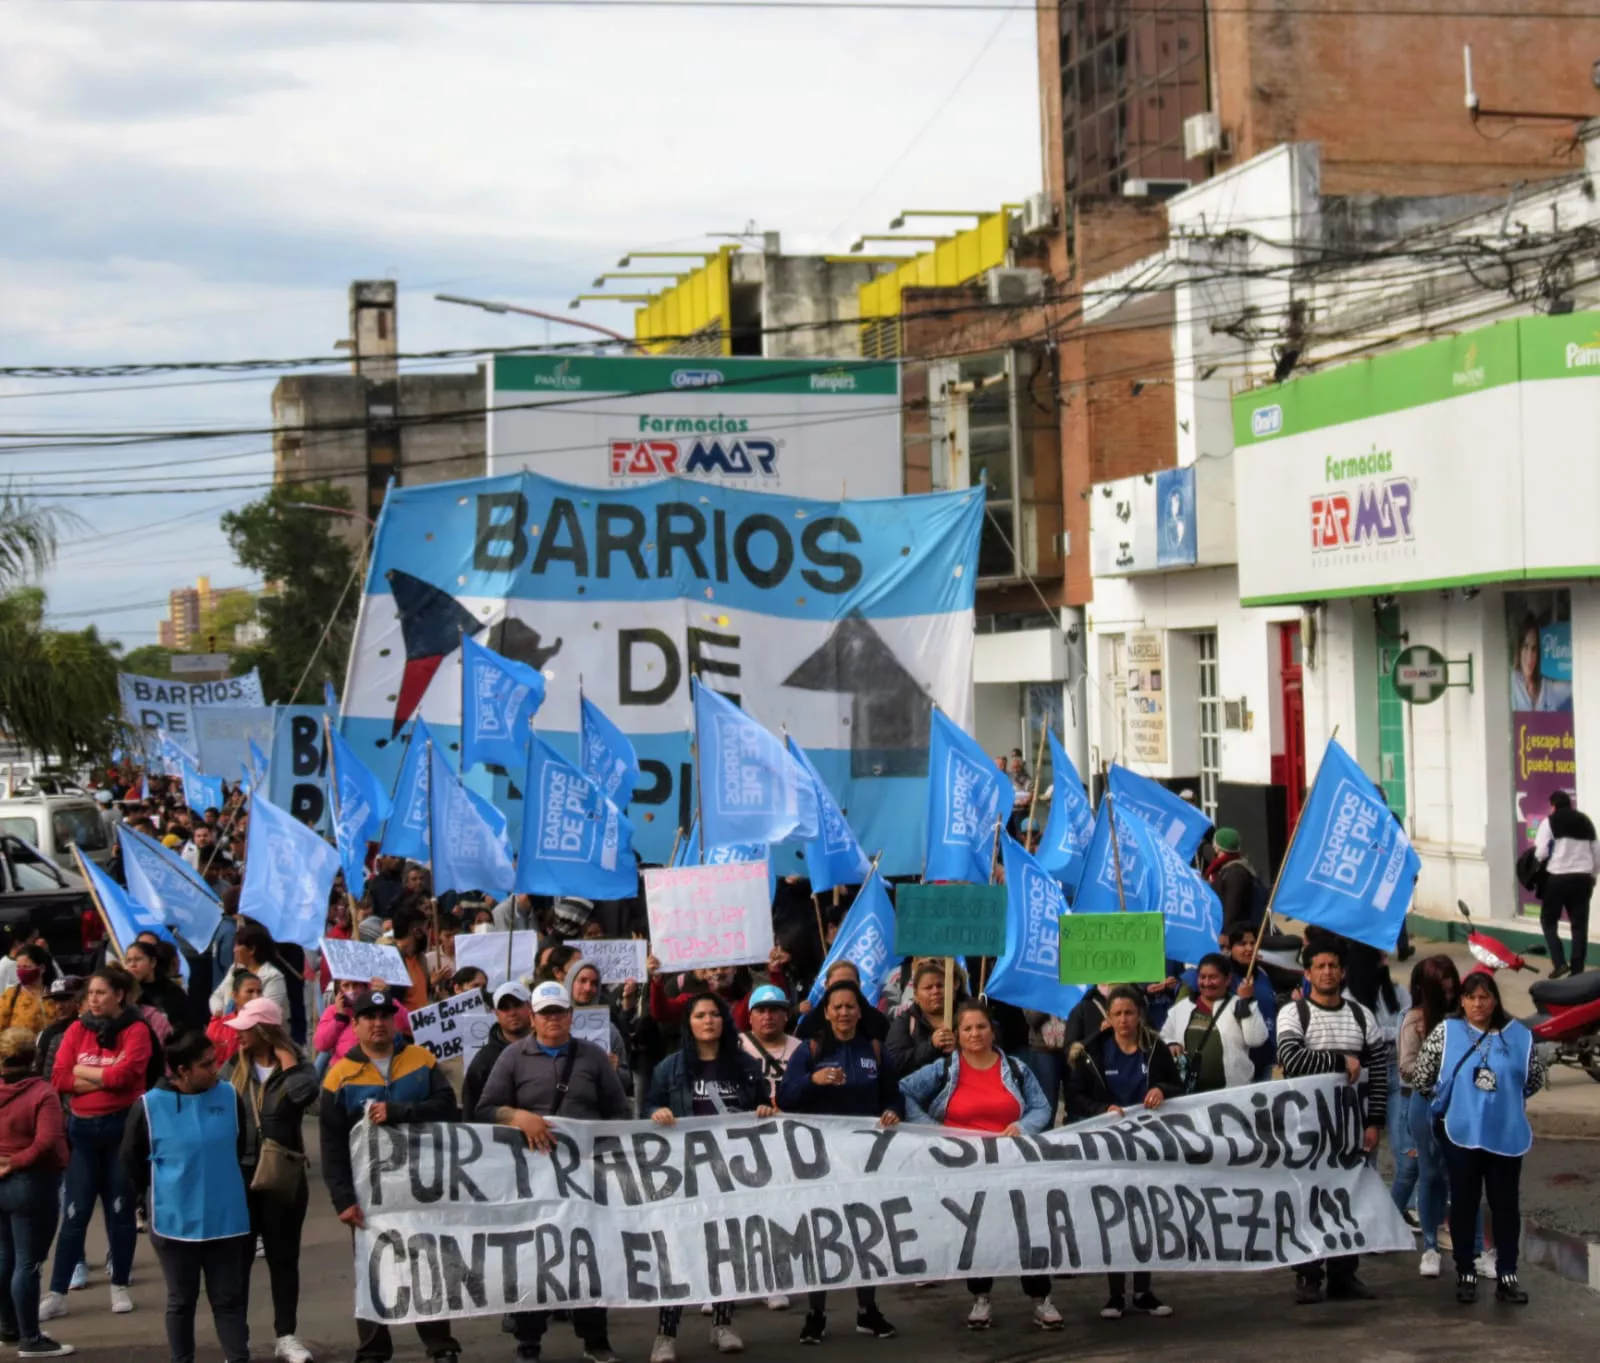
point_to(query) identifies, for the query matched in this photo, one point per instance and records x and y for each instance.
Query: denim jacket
(927, 1092)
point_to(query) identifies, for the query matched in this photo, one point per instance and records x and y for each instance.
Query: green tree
(148, 660)
(27, 537)
(311, 590)
(58, 688)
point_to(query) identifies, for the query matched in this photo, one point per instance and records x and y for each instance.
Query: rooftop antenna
(1475, 111)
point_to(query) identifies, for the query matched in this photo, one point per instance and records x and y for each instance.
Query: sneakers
(121, 1302)
(1350, 1289)
(52, 1306)
(1113, 1309)
(290, 1350)
(600, 1353)
(1466, 1288)
(872, 1323)
(1508, 1289)
(1488, 1264)
(725, 1340)
(815, 1330)
(1307, 1291)
(42, 1346)
(1429, 1267)
(80, 1277)
(707, 1309)
(1558, 972)
(1045, 1315)
(1412, 1219)
(777, 1302)
(979, 1318)
(1149, 1304)
(664, 1350)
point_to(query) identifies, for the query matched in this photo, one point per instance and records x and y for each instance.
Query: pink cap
(254, 1014)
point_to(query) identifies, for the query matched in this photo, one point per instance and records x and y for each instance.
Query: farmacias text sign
(466, 1220)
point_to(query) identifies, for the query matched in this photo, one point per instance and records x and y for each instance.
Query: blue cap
(769, 996)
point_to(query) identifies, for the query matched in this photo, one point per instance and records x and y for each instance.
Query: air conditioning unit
(1202, 136)
(1038, 215)
(1014, 286)
(1154, 189)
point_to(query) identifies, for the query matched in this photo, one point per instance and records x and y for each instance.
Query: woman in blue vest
(185, 1143)
(1480, 1068)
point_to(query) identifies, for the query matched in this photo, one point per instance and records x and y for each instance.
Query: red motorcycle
(1568, 1019)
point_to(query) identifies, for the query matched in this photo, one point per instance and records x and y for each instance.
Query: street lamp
(502, 308)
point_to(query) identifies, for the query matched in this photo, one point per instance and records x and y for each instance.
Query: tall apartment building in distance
(187, 610)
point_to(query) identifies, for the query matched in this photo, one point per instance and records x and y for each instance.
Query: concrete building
(188, 610)
(362, 429)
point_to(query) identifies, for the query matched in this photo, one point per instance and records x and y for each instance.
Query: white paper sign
(733, 1207)
(364, 961)
(593, 1024)
(453, 1028)
(709, 915)
(620, 959)
(501, 956)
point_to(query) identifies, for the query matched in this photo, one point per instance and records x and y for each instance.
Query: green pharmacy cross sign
(1422, 674)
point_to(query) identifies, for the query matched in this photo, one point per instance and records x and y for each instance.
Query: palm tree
(27, 537)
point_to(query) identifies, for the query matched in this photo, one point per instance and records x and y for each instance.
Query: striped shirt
(1313, 1039)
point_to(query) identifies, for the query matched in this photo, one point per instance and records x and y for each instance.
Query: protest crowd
(381, 983)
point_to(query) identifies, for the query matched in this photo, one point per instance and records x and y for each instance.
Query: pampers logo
(561, 376)
(1265, 421)
(1584, 354)
(833, 381)
(696, 378)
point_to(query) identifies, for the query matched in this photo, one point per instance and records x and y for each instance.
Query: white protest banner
(593, 1024)
(453, 1027)
(152, 703)
(501, 956)
(619, 959)
(364, 961)
(709, 915)
(715, 1209)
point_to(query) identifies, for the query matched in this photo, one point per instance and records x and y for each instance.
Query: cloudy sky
(202, 180)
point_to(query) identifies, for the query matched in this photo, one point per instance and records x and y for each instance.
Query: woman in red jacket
(33, 1152)
(103, 1067)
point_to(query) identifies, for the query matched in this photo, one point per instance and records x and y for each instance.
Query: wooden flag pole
(822, 936)
(1038, 762)
(99, 908)
(1116, 847)
(677, 838)
(983, 961)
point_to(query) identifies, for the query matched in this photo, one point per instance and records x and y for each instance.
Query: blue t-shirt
(1127, 1076)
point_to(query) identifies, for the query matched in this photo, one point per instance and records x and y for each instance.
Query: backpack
(1303, 1008)
(1530, 871)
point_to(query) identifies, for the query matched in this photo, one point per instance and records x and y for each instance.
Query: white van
(55, 824)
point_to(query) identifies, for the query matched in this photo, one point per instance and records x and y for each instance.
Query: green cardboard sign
(950, 920)
(1113, 948)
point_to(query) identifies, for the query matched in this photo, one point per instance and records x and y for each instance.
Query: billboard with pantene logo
(1467, 460)
(804, 427)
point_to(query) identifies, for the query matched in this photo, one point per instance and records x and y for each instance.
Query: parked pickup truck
(35, 891)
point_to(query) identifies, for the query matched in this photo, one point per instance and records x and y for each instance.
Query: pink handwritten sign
(709, 915)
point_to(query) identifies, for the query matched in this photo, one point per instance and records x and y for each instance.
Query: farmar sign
(1467, 460)
(809, 428)
(839, 620)
(468, 1221)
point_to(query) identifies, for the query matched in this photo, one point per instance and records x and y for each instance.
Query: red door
(1294, 722)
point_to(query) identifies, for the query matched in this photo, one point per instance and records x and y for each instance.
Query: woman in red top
(33, 1152)
(102, 1066)
(980, 1088)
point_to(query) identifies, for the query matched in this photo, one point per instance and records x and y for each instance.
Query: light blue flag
(125, 916)
(260, 766)
(1181, 825)
(171, 888)
(406, 832)
(144, 787)
(866, 938)
(608, 757)
(360, 808)
(499, 698)
(833, 856)
(172, 756)
(1351, 868)
(1155, 879)
(966, 794)
(751, 790)
(330, 697)
(1028, 973)
(288, 874)
(1071, 823)
(470, 851)
(574, 840)
(201, 792)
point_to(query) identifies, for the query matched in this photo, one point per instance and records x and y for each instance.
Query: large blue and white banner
(839, 621)
(1351, 869)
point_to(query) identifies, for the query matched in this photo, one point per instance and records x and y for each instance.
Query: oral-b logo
(1265, 421)
(696, 378)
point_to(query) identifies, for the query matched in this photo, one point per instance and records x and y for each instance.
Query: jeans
(669, 1318)
(28, 1210)
(1050, 1069)
(1474, 1175)
(1432, 1178)
(225, 1265)
(1035, 1287)
(278, 1221)
(588, 1323)
(866, 1300)
(1402, 1144)
(95, 1172)
(374, 1344)
(1572, 894)
(1118, 1283)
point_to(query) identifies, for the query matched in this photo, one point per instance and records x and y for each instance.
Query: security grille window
(1210, 722)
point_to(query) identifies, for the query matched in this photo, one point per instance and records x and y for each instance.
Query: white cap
(510, 990)
(550, 996)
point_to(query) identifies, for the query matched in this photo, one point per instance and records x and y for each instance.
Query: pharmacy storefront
(1435, 515)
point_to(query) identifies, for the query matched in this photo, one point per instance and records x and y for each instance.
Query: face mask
(27, 974)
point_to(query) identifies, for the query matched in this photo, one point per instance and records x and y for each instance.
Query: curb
(1562, 1125)
(1568, 1256)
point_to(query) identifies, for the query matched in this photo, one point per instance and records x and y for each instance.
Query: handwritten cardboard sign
(593, 1024)
(620, 959)
(453, 1028)
(364, 961)
(501, 956)
(709, 915)
(950, 920)
(1113, 948)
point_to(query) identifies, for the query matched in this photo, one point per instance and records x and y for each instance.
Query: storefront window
(1543, 741)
